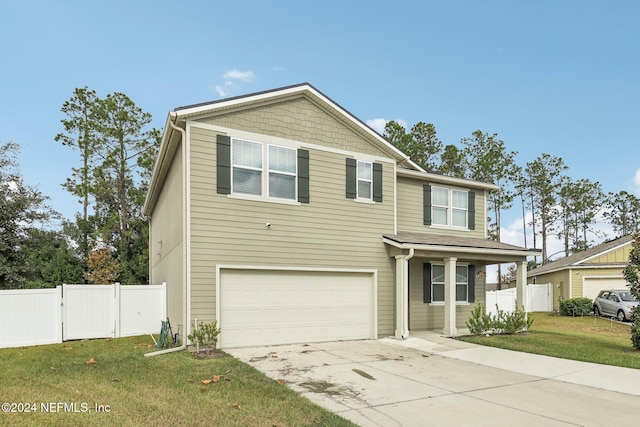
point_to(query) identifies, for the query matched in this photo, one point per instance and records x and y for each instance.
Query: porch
(439, 279)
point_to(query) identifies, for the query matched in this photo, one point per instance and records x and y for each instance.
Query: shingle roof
(414, 238)
(579, 257)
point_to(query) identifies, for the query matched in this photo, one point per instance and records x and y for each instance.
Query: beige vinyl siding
(329, 232)
(560, 282)
(165, 240)
(411, 213)
(619, 255)
(431, 316)
(299, 119)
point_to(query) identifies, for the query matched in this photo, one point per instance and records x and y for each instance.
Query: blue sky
(560, 77)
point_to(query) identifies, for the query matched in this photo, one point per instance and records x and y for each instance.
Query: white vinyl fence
(539, 297)
(49, 316)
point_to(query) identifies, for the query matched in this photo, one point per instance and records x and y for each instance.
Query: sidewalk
(613, 378)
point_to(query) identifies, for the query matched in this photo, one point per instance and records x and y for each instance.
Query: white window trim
(234, 166)
(358, 180)
(450, 209)
(269, 171)
(436, 303)
(265, 171)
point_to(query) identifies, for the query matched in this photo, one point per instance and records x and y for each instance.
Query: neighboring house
(586, 273)
(287, 219)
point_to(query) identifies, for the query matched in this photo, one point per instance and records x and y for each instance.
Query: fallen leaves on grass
(214, 379)
(90, 361)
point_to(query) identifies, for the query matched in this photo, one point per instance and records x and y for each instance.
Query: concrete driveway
(436, 381)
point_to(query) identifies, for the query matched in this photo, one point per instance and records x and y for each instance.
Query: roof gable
(591, 256)
(299, 112)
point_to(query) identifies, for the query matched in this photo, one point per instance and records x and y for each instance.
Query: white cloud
(244, 76)
(233, 80)
(379, 124)
(224, 89)
(636, 182)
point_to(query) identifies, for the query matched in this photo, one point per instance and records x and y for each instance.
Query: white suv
(617, 303)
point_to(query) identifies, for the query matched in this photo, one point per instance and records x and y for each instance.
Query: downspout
(185, 317)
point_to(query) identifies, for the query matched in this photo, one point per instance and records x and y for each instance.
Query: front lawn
(589, 339)
(72, 379)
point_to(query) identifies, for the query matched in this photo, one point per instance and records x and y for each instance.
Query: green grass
(163, 390)
(587, 339)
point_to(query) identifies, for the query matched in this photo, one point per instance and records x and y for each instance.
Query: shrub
(635, 327)
(632, 276)
(576, 306)
(503, 323)
(479, 322)
(205, 335)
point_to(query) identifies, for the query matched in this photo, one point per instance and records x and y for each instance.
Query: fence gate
(541, 297)
(88, 311)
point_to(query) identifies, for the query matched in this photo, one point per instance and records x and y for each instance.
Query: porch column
(402, 295)
(450, 297)
(521, 285)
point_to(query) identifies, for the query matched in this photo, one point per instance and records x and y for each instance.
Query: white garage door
(264, 307)
(592, 285)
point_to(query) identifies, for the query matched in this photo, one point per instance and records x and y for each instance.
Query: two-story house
(287, 219)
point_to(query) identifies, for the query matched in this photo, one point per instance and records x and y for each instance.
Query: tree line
(107, 240)
(559, 205)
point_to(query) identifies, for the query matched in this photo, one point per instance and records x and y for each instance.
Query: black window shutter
(426, 202)
(426, 282)
(303, 176)
(377, 182)
(351, 178)
(472, 210)
(223, 164)
(471, 285)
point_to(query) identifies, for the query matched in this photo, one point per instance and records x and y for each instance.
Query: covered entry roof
(469, 246)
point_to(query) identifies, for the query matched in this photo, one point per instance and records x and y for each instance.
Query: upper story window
(282, 172)
(365, 180)
(254, 169)
(248, 160)
(449, 207)
(247, 167)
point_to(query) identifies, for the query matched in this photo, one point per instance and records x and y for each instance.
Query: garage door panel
(591, 286)
(262, 307)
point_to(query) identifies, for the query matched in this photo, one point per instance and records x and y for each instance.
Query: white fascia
(457, 249)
